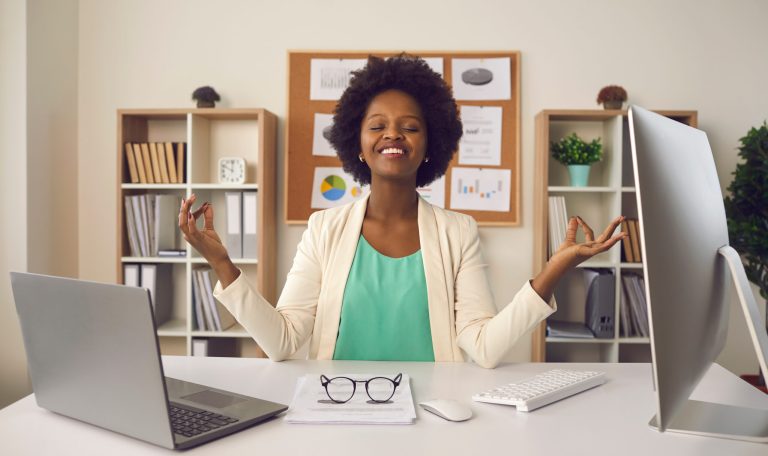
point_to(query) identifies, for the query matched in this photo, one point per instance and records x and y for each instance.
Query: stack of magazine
(210, 314)
(558, 223)
(151, 221)
(634, 309)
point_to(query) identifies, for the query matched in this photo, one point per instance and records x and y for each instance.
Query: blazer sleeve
(280, 331)
(481, 332)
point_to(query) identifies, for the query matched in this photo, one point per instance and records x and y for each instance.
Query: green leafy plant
(572, 150)
(747, 207)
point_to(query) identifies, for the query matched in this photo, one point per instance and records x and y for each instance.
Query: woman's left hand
(572, 253)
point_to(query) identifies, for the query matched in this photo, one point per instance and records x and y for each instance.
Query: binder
(599, 314)
(140, 167)
(148, 165)
(158, 279)
(131, 275)
(180, 162)
(139, 219)
(250, 238)
(234, 233)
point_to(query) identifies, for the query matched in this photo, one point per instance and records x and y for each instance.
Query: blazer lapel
(440, 320)
(346, 238)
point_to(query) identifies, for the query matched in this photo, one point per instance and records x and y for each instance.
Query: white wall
(688, 54)
(13, 184)
(38, 159)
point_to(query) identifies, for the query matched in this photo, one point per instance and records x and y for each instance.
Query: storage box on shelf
(610, 192)
(204, 136)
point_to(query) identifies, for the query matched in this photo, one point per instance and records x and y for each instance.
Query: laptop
(93, 355)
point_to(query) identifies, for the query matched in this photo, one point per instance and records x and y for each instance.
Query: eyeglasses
(341, 389)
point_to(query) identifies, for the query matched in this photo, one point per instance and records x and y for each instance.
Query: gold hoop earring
(361, 158)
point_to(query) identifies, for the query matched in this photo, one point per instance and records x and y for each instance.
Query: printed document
(311, 403)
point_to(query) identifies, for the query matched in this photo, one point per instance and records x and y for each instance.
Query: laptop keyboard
(189, 421)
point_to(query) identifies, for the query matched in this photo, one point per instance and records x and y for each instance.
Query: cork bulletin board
(300, 163)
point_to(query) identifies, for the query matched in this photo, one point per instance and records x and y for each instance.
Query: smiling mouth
(392, 151)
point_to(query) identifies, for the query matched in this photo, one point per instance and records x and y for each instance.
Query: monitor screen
(688, 267)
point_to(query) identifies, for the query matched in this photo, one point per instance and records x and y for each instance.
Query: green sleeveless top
(384, 313)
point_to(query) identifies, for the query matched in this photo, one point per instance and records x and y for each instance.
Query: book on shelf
(634, 236)
(131, 160)
(626, 243)
(131, 275)
(568, 329)
(170, 160)
(180, 162)
(147, 163)
(140, 167)
(155, 162)
(164, 175)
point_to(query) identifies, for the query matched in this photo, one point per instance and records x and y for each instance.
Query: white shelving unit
(209, 134)
(610, 193)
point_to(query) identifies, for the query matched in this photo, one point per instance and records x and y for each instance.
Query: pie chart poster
(333, 187)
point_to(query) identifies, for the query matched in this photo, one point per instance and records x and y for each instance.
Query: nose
(392, 133)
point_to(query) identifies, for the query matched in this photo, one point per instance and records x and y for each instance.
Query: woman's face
(393, 136)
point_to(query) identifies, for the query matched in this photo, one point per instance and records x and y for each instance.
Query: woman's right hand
(206, 241)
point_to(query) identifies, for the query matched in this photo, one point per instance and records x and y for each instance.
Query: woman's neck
(392, 200)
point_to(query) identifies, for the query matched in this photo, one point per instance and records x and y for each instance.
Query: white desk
(610, 419)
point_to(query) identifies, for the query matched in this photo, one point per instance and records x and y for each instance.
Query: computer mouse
(447, 409)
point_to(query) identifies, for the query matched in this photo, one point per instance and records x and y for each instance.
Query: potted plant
(577, 155)
(206, 97)
(747, 208)
(612, 97)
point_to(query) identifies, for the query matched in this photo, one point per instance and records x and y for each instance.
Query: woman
(390, 277)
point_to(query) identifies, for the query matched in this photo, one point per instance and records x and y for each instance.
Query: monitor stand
(727, 421)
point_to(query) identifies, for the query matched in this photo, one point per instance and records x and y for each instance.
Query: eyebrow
(407, 115)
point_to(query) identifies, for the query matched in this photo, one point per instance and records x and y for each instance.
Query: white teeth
(392, 151)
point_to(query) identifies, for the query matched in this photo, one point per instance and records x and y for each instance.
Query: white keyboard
(542, 389)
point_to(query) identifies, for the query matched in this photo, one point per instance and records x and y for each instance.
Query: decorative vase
(613, 104)
(206, 104)
(579, 175)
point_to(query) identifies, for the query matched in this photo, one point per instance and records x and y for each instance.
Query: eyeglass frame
(325, 381)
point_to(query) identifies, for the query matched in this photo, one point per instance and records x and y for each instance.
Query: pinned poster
(436, 63)
(330, 77)
(333, 187)
(434, 193)
(321, 145)
(481, 142)
(482, 79)
(480, 189)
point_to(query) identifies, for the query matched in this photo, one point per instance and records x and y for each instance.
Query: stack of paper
(312, 405)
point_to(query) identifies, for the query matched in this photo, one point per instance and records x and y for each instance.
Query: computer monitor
(686, 262)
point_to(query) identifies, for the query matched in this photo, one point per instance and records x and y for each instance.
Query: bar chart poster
(480, 189)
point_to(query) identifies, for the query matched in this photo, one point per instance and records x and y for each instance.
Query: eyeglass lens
(380, 389)
(340, 389)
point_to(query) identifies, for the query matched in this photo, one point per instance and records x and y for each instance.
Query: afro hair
(414, 77)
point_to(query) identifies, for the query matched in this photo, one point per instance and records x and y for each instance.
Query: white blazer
(462, 315)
